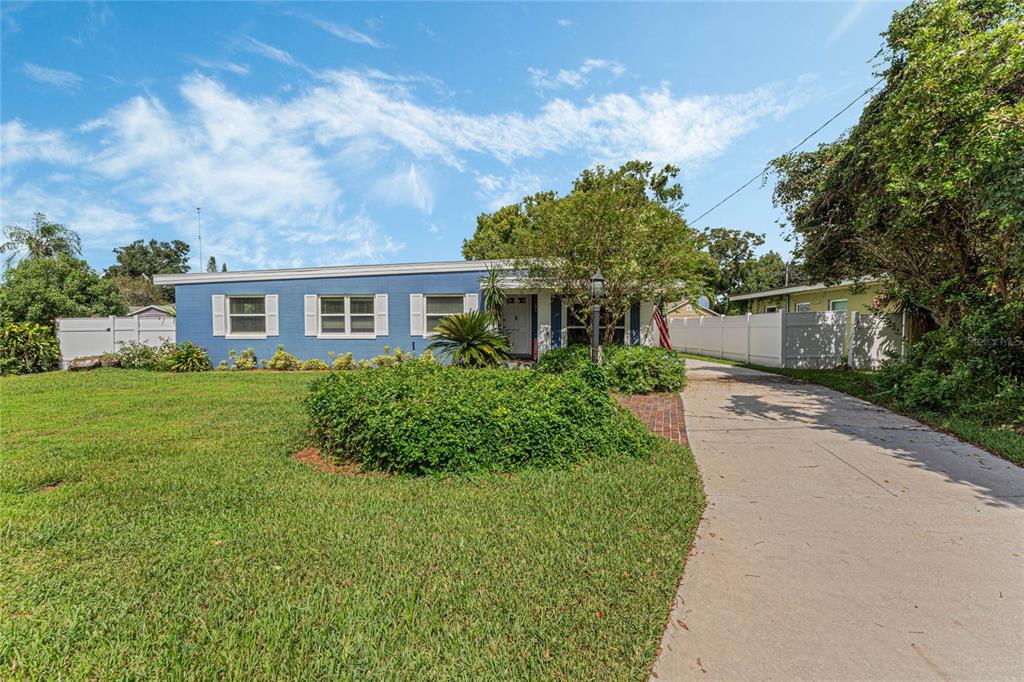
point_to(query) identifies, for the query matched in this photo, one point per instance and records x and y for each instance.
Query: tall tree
(142, 260)
(928, 186)
(734, 268)
(499, 234)
(211, 264)
(42, 289)
(44, 239)
(626, 223)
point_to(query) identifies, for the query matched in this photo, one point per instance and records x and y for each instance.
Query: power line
(791, 149)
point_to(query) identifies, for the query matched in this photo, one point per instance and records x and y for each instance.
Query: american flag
(662, 324)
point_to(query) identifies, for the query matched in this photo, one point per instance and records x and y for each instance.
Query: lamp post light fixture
(596, 296)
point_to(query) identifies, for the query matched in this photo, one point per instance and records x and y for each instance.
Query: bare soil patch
(313, 457)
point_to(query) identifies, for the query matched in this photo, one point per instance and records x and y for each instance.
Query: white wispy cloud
(573, 78)
(273, 173)
(497, 191)
(270, 52)
(58, 78)
(21, 143)
(407, 185)
(847, 21)
(564, 23)
(222, 65)
(344, 32)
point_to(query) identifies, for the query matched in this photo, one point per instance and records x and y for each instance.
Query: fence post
(852, 338)
(138, 328)
(782, 338)
(721, 336)
(748, 337)
(700, 335)
(113, 332)
(903, 334)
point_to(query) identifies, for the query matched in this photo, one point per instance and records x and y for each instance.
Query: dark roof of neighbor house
(800, 288)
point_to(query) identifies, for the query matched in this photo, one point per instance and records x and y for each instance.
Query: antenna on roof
(199, 227)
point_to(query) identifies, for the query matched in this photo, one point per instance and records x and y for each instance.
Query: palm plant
(43, 240)
(470, 340)
(492, 294)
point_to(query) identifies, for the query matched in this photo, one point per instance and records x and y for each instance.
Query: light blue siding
(195, 322)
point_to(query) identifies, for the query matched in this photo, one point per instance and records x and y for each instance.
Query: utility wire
(791, 149)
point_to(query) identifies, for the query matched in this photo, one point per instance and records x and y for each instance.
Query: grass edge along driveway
(1001, 442)
(154, 525)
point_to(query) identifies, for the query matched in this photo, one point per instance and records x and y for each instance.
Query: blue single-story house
(360, 309)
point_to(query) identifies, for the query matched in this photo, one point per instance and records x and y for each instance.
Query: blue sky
(321, 134)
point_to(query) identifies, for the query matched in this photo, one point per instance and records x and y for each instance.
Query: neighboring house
(859, 296)
(686, 308)
(151, 311)
(360, 309)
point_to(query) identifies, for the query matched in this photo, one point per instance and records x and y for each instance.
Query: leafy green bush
(627, 369)
(314, 365)
(138, 355)
(283, 360)
(342, 361)
(974, 368)
(420, 417)
(244, 360)
(187, 357)
(26, 348)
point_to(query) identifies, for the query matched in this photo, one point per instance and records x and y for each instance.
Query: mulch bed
(662, 413)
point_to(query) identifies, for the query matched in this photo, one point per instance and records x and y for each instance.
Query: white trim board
(332, 271)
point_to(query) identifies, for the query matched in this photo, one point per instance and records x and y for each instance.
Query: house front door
(515, 318)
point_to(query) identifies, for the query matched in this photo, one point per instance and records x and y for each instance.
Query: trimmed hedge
(421, 418)
(628, 369)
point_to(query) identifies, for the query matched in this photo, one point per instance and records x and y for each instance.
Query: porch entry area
(537, 321)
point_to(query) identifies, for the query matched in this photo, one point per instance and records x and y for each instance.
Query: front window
(440, 307)
(803, 307)
(838, 305)
(346, 315)
(247, 315)
(578, 332)
(771, 308)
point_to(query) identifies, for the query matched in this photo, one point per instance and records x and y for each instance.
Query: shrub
(283, 360)
(314, 365)
(420, 417)
(470, 340)
(137, 355)
(244, 360)
(187, 357)
(26, 348)
(342, 362)
(627, 369)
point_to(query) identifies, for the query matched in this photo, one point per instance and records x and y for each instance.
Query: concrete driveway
(842, 541)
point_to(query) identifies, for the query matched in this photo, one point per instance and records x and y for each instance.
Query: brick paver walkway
(661, 412)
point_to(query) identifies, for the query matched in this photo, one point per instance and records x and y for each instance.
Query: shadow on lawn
(804, 405)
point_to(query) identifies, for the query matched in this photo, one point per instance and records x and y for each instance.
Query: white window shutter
(471, 303)
(380, 314)
(416, 314)
(272, 325)
(218, 303)
(309, 313)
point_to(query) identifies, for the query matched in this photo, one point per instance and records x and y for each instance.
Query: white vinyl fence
(82, 337)
(801, 340)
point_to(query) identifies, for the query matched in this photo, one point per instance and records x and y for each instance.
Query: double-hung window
(346, 315)
(247, 315)
(803, 307)
(438, 307)
(838, 305)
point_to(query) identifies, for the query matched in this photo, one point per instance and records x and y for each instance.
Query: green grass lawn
(1002, 441)
(153, 525)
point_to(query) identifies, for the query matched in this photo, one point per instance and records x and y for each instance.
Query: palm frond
(470, 340)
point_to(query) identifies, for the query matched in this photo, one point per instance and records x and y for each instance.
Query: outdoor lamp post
(596, 296)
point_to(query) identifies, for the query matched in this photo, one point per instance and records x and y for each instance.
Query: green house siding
(860, 302)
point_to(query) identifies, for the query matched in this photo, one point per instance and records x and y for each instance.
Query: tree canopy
(42, 289)
(140, 259)
(734, 268)
(928, 187)
(44, 239)
(626, 223)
